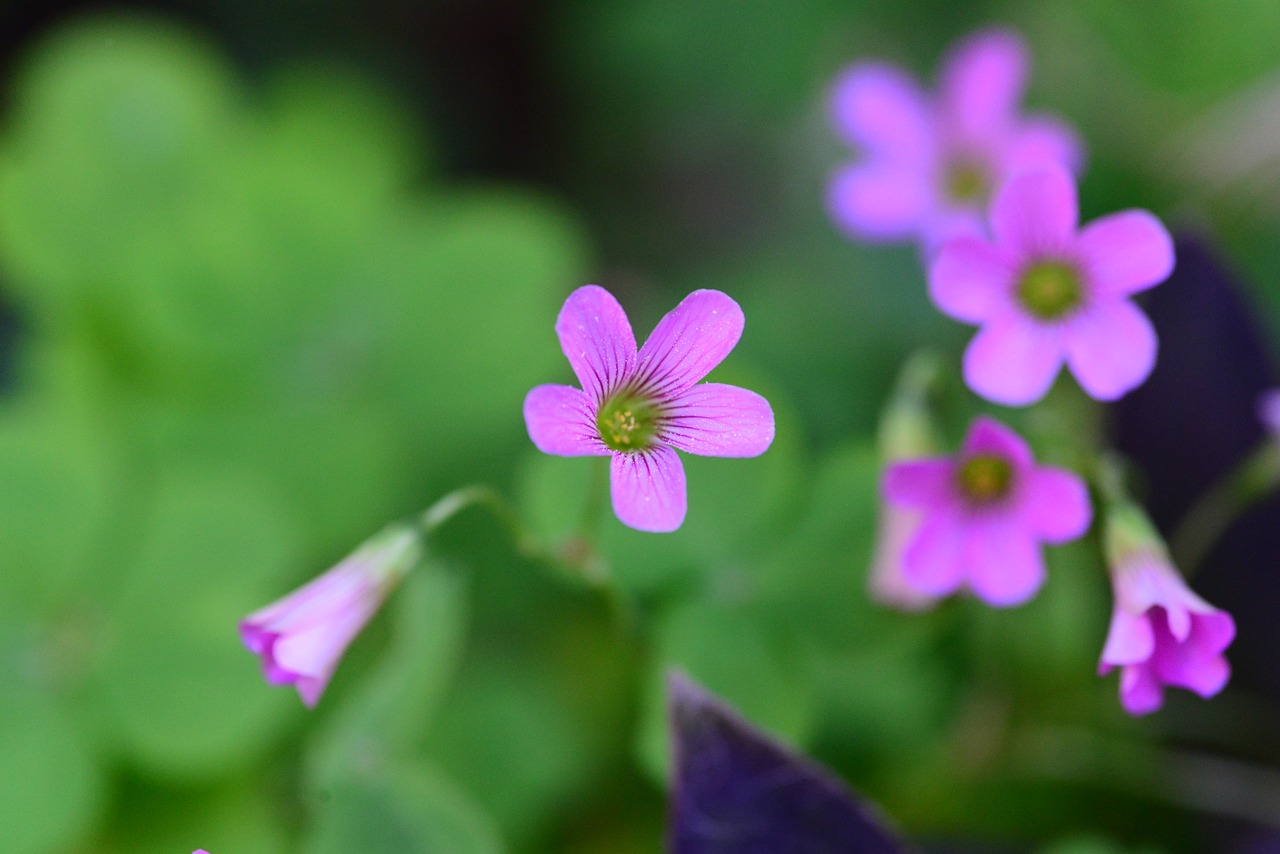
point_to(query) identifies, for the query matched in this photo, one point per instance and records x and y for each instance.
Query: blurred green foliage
(258, 321)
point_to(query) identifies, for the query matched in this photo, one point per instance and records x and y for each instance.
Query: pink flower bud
(302, 636)
(1161, 632)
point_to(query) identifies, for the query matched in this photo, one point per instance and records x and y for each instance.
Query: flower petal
(562, 420)
(1111, 348)
(970, 279)
(925, 484)
(1013, 361)
(648, 489)
(932, 562)
(986, 435)
(1003, 563)
(1057, 504)
(597, 340)
(1140, 692)
(1197, 667)
(693, 338)
(1044, 139)
(982, 83)
(718, 420)
(1126, 252)
(879, 200)
(876, 106)
(1035, 212)
(1130, 640)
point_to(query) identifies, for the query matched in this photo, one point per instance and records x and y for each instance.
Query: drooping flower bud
(1161, 632)
(301, 637)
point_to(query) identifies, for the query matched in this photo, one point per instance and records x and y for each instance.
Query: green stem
(1208, 519)
(482, 495)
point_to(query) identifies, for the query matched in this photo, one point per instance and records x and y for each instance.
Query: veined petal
(924, 484)
(878, 107)
(1035, 212)
(1013, 361)
(597, 340)
(1056, 504)
(982, 83)
(693, 338)
(1126, 252)
(1003, 563)
(718, 420)
(1044, 139)
(1111, 348)
(648, 489)
(970, 279)
(562, 420)
(880, 199)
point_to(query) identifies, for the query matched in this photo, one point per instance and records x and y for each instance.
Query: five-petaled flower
(1161, 632)
(1045, 292)
(986, 512)
(640, 406)
(302, 636)
(930, 162)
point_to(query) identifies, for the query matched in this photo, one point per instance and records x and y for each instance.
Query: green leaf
(52, 790)
(508, 736)
(55, 497)
(181, 695)
(389, 713)
(467, 288)
(242, 816)
(407, 808)
(115, 124)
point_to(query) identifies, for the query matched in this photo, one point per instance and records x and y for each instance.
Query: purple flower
(931, 162)
(302, 636)
(641, 406)
(986, 512)
(1045, 292)
(1161, 632)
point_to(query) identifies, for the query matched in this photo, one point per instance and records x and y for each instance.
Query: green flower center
(628, 423)
(966, 181)
(985, 478)
(1050, 290)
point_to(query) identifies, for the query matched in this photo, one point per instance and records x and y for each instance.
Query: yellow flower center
(628, 423)
(1050, 290)
(985, 478)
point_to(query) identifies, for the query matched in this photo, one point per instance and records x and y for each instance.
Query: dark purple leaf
(736, 791)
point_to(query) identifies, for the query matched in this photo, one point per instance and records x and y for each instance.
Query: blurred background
(274, 273)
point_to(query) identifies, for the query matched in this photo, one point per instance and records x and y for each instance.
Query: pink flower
(986, 512)
(302, 637)
(931, 162)
(1044, 292)
(641, 406)
(1161, 632)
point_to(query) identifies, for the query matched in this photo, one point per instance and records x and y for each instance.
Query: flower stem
(482, 495)
(1208, 519)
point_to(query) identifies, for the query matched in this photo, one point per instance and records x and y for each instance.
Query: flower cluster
(990, 195)
(932, 160)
